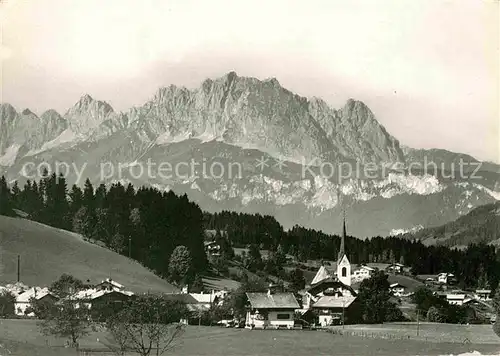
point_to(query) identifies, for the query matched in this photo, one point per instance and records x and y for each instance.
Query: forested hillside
(150, 225)
(480, 225)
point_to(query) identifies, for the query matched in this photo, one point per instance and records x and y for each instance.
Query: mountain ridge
(242, 120)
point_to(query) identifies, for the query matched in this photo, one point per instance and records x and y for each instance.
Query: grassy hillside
(46, 253)
(480, 225)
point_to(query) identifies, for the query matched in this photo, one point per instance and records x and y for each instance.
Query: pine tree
(5, 199)
(16, 195)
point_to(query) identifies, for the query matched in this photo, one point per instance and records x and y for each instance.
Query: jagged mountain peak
(86, 102)
(51, 113)
(28, 112)
(7, 109)
(87, 114)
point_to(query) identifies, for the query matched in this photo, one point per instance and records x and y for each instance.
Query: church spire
(342, 241)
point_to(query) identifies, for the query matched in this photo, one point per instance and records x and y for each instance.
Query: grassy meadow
(21, 337)
(47, 252)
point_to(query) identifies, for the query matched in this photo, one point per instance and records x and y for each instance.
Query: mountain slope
(240, 120)
(46, 253)
(480, 225)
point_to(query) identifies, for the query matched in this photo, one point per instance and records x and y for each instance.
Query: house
(457, 299)
(109, 285)
(331, 309)
(446, 278)
(91, 298)
(483, 294)
(209, 299)
(23, 300)
(195, 307)
(397, 289)
(271, 310)
(326, 287)
(395, 268)
(364, 272)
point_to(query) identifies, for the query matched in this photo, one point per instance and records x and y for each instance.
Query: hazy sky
(429, 69)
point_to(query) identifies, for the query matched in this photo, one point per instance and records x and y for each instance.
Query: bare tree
(67, 320)
(147, 325)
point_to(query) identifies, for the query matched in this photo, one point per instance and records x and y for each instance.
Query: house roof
(181, 297)
(273, 301)
(205, 298)
(113, 283)
(394, 285)
(329, 301)
(36, 292)
(483, 290)
(197, 307)
(91, 294)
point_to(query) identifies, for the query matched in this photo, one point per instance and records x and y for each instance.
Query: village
(329, 299)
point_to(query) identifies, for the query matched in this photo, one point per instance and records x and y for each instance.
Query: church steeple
(342, 241)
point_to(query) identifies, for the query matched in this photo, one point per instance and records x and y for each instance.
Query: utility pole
(343, 312)
(418, 324)
(129, 247)
(18, 268)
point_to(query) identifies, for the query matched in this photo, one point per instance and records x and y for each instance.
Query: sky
(428, 69)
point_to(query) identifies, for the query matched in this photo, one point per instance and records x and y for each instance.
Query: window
(283, 316)
(344, 272)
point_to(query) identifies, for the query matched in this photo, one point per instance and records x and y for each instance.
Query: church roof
(321, 275)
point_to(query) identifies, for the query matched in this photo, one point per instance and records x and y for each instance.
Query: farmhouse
(457, 299)
(363, 272)
(94, 297)
(483, 294)
(446, 278)
(109, 285)
(397, 289)
(271, 310)
(23, 300)
(395, 268)
(195, 307)
(331, 309)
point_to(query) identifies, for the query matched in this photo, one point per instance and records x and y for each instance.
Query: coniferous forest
(149, 224)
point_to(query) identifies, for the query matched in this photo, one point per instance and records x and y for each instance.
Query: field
(47, 252)
(21, 337)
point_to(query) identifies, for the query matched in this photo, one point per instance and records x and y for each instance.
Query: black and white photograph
(249, 178)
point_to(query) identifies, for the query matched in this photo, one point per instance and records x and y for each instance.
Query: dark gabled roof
(273, 301)
(324, 284)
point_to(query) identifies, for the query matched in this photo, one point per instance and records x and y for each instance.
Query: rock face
(235, 119)
(23, 132)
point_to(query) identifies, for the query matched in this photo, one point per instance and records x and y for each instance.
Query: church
(330, 293)
(341, 269)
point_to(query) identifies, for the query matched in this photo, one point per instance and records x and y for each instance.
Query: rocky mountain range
(481, 225)
(251, 145)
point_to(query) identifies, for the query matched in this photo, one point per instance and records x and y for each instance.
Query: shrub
(496, 326)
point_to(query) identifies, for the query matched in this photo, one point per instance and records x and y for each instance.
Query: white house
(23, 300)
(445, 278)
(397, 290)
(364, 272)
(109, 285)
(209, 299)
(483, 294)
(395, 268)
(457, 299)
(331, 308)
(271, 310)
